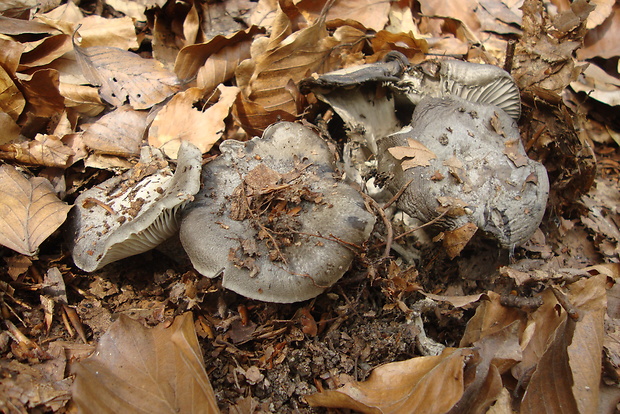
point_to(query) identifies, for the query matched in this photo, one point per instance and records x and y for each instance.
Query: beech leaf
(180, 120)
(29, 211)
(145, 370)
(431, 384)
(124, 76)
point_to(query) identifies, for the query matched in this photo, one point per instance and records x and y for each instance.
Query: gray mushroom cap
(484, 84)
(299, 241)
(134, 212)
(472, 161)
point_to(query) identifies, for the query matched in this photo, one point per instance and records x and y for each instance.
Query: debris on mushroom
(465, 161)
(272, 220)
(134, 212)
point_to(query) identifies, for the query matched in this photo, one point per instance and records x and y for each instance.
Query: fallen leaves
(29, 211)
(430, 384)
(139, 369)
(552, 352)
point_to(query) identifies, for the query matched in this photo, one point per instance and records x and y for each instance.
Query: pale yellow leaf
(187, 118)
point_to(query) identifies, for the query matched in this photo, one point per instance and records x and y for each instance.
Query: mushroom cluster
(269, 214)
(458, 158)
(269, 217)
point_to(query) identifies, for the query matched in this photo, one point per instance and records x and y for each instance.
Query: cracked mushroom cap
(272, 220)
(466, 158)
(136, 211)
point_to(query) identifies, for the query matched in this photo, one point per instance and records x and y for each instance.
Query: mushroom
(465, 161)
(272, 219)
(134, 212)
(352, 92)
(484, 84)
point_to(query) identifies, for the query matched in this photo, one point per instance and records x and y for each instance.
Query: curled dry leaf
(44, 150)
(118, 133)
(29, 211)
(562, 353)
(41, 90)
(137, 369)
(431, 384)
(180, 120)
(230, 51)
(124, 76)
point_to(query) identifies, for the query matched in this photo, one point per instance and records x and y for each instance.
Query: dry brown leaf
(268, 80)
(431, 384)
(562, 353)
(45, 51)
(44, 150)
(11, 100)
(180, 120)
(41, 91)
(454, 241)
(29, 211)
(405, 43)
(254, 118)
(585, 350)
(11, 53)
(227, 50)
(125, 76)
(82, 98)
(491, 316)
(414, 155)
(99, 31)
(372, 14)
(139, 369)
(10, 129)
(118, 133)
(601, 41)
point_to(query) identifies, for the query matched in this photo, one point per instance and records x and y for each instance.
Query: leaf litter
(450, 325)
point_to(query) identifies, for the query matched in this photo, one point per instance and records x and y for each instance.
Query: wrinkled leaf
(29, 211)
(180, 120)
(430, 384)
(137, 369)
(125, 76)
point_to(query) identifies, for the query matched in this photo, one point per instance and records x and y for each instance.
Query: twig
(397, 195)
(386, 222)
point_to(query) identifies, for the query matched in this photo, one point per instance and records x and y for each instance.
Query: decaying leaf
(29, 211)
(180, 120)
(430, 384)
(414, 155)
(137, 369)
(118, 133)
(44, 150)
(126, 77)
